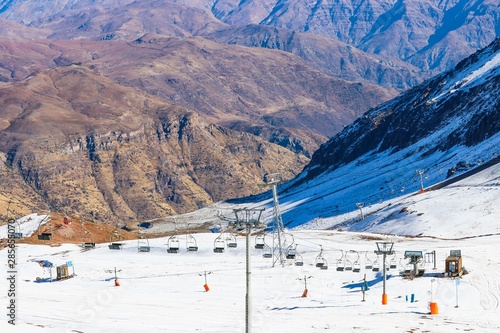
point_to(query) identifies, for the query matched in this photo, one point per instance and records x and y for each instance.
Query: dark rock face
(432, 35)
(460, 103)
(141, 158)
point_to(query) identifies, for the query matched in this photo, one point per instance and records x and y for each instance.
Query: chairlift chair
(321, 262)
(341, 263)
(191, 244)
(143, 244)
(231, 240)
(291, 252)
(88, 241)
(219, 244)
(348, 263)
(268, 253)
(173, 244)
(259, 241)
(393, 263)
(376, 265)
(356, 265)
(44, 235)
(368, 262)
(115, 240)
(298, 258)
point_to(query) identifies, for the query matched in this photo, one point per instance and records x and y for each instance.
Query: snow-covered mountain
(444, 127)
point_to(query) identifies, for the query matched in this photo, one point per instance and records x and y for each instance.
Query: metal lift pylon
(279, 247)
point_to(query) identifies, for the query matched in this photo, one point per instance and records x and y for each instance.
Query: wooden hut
(454, 263)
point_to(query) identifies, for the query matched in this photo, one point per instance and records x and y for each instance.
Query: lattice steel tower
(279, 240)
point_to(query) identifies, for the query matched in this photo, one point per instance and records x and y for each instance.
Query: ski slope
(163, 292)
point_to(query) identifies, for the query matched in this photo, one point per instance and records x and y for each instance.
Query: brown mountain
(328, 55)
(268, 93)
(83, 143)
(432, 35)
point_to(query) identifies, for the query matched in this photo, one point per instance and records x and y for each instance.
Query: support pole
(364, 288)
(243, 217)
(384, 295)
(248, 301)
(384, 248)
(434, 255)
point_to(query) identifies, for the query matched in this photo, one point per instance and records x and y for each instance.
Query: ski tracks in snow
(486, 281)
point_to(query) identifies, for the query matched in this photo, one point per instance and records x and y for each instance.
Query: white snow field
(164, 292)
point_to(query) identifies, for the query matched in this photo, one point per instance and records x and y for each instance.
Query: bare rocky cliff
(136, 159)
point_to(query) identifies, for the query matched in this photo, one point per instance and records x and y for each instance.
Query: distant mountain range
(420, 39)
(431, 35)
(266, 82)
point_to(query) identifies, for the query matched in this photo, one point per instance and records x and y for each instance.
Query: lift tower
(279, 240)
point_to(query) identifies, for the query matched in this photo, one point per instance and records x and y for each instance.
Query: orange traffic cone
(206, 287)
(117, 284)
(304, 294)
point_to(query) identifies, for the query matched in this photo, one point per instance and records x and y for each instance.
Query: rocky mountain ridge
(431, 136)
(182, 54)
(77, 152)
(460, 104)
(431, 36)
(275, 96)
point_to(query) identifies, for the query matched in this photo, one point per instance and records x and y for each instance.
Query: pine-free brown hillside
(328, 55)
(272, 94)
(83, 143)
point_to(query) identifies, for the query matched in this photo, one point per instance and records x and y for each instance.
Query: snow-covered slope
(437, 130)
(163, 292)
(446, 128)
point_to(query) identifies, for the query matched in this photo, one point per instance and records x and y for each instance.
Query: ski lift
(268, 253)
(191, 244)
(291, 252)
(298, 258)
(18, 234)
(173, 241)
(321, 262)
(88, 241)
(219, 244)
(44, 235)
(173, 244)
(143, 244)
(368, 262)
(259, 241)
(341, 263)
(356, 266)
(231, 240)
(348, 263)
(393, 263)
(376, 265)
(115, 240)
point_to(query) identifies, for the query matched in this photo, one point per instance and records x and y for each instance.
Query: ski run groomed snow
(164, 292)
